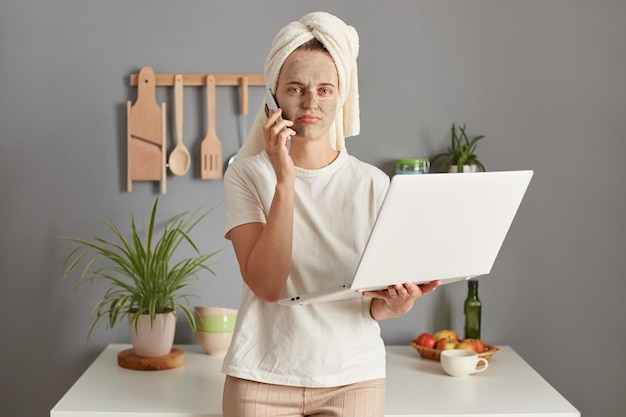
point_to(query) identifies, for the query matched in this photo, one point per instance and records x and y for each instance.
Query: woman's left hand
(398, 299)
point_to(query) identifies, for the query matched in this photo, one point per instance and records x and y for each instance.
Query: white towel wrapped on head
(342, 42)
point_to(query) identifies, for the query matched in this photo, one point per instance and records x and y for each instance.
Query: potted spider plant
(461, 154)
(145, 284)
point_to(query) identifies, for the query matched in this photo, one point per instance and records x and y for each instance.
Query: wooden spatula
(211, 147)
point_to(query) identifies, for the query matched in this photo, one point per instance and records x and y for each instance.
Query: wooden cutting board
(129, 360)
(146, 134)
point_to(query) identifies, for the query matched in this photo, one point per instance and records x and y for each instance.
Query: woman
(299, 219)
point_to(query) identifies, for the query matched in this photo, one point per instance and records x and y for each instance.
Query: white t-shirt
(323, 344)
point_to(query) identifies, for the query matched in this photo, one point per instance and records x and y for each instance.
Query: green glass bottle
(472, 311)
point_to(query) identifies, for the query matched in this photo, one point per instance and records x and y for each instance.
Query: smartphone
(272, 104)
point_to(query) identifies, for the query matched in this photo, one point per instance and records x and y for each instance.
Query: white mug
(460, 362)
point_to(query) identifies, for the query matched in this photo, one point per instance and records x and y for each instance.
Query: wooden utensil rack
(199, 80)
(139, 166)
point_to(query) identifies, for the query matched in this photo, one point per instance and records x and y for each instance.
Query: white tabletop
(509, 387)
(415, 387)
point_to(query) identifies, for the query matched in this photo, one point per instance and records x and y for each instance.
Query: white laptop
(446, 227)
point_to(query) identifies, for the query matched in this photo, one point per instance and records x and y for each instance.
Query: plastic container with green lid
(412, 166)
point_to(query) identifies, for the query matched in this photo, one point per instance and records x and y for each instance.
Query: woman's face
(308, 92)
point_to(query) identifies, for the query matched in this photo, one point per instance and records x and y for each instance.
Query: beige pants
(244, 398)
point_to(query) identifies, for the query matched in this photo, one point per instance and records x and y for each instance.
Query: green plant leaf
(462, 150)
(139, 274)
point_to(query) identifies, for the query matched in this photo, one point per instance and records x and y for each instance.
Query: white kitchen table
(415, 387)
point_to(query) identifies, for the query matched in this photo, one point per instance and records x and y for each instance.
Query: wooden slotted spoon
(179, 157)
(211, 147)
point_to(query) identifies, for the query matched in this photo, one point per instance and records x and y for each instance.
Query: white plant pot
(155, 340)
(466, 168)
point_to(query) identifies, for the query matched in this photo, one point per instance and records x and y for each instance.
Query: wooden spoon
(179, 160)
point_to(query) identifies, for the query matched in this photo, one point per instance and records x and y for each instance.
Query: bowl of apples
(430, 346)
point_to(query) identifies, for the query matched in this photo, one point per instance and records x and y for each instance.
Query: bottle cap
(472, 284)
(413, 161)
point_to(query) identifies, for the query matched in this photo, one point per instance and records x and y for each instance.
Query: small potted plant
(461, 154)
(144, 283)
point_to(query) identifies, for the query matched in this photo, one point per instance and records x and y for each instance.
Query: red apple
(475, 345)
(480, 346)
(445, 344)
(447, 334)
(426, 340)
(467, 344)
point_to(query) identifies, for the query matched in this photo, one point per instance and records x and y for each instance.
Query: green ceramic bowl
(215, 319)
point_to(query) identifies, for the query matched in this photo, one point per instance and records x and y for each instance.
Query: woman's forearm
(269, 262)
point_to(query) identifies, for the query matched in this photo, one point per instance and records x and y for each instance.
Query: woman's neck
(312, 155)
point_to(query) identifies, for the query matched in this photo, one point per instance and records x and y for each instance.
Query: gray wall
(544, 81)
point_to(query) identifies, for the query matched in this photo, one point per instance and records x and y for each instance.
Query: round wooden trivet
(129, 360)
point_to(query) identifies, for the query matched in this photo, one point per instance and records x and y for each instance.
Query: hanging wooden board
(146, 134)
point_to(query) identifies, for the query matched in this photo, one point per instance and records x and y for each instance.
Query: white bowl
(205, 311)
(214, 344)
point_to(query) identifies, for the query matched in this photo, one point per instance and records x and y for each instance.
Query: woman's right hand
(276, 135)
